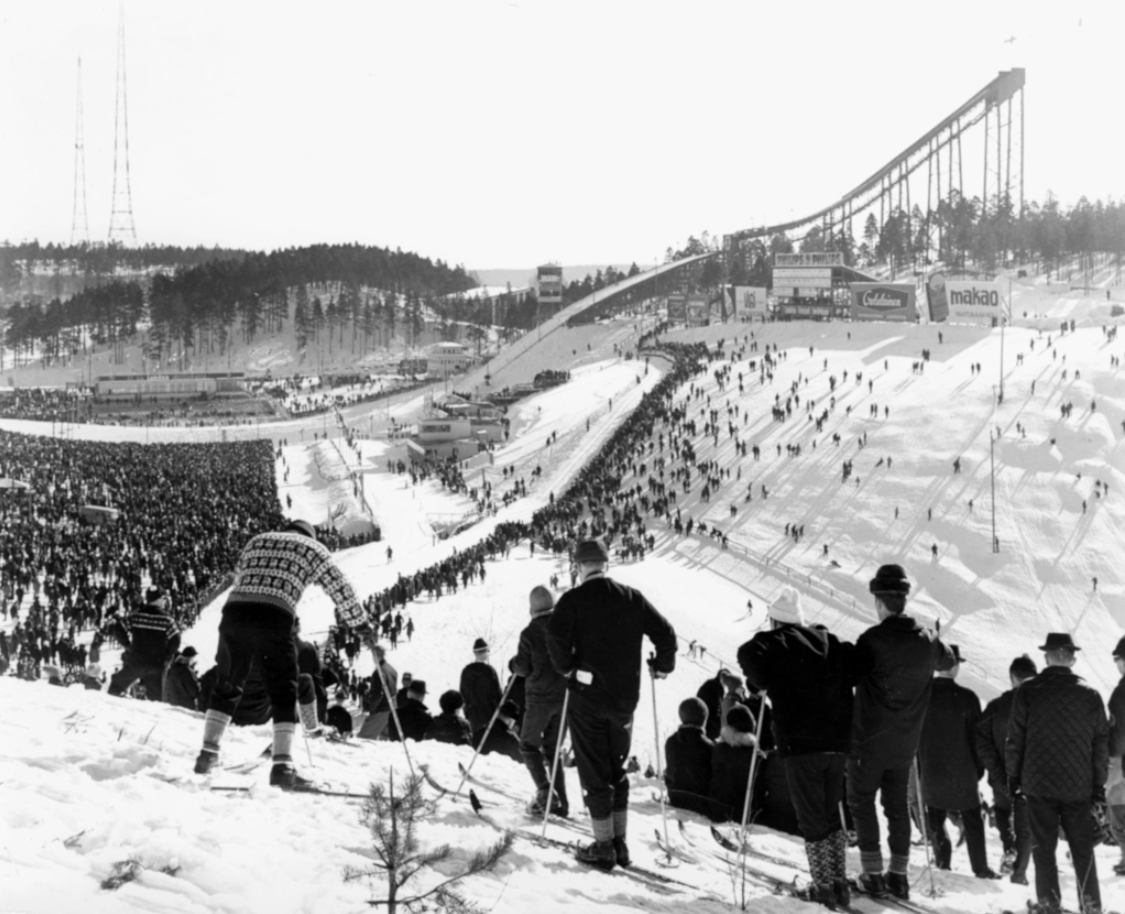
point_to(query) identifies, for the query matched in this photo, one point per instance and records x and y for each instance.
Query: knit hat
(480, 646)
(890, 579)
(541, 601)
(740, 719)
(301, 526)
(1024, 667)
(786, 607)
(451, 701)
(591, 551)
(693, 711)
(154, 595)
(1119, 651)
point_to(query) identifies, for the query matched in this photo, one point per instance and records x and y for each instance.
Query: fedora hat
(1057, 641)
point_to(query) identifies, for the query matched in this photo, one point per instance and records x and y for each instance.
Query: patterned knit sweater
(275, 568)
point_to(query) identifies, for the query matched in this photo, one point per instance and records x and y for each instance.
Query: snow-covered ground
(80, 773)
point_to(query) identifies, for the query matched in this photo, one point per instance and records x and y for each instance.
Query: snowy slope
(281, 853)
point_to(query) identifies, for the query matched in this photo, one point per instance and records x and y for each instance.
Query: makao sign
(960, 299)
(883, 301)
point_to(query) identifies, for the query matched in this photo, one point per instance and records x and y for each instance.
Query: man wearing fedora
(893, 667)
(1057, 758)
(951, 769)
(594, 637)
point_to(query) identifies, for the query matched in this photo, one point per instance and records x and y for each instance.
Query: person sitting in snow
(687, 759)
(449, 726)
(730, 766)
(181, 684)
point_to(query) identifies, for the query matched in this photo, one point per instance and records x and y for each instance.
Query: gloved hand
(1097, 798)
(653, 671)
(1014, 788)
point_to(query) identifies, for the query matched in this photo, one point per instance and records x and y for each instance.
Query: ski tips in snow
(474, 801)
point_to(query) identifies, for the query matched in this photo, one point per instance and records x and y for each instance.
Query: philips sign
(883, 301)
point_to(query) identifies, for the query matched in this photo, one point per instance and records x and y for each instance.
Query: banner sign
(676, 307)
(975, 299)
(818, 259)
(814, 278)
(883, 301)
(698, 311)
(803, 309)
(747, 299)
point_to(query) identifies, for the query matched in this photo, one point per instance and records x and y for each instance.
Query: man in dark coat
(687, 759)
(730, 767)
(1057, 757)
(1115, 783)
(806, 672)
(377, 702)
(480, 688)
(893, 668)
(950, 768)
(151, 639)
(449, 726)
(711, 694)
(1011, 813)
(595, 637)
(413, 713)
(544, 689)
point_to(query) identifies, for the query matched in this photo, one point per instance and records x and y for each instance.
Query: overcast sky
(505, 134)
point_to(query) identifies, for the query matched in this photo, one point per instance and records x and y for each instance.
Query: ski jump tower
(121, 227)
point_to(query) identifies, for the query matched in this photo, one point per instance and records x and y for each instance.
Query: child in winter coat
(687, 759)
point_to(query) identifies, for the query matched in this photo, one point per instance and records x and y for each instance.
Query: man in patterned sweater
(257, 626)
(151, 639)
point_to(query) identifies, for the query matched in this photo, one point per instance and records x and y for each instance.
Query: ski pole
(753, 772)
(924, 822)
(555, 763)
(394, 714)
(487, 730)
(659, 765)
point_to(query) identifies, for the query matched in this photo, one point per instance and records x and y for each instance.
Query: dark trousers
(539, 736)
(816, 787)
(149, 670)
(865, 779)
(1045, 817)
(1014, 829)
(601, 738)
(263, 634)
(973, 821)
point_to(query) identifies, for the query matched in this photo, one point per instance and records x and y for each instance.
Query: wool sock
(214, 726)
(283, 734)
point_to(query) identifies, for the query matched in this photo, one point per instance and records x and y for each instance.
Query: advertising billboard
(936, 297)
(974, 299)
(698, 311)
(747, 299)
(883, 301)
(676, 304)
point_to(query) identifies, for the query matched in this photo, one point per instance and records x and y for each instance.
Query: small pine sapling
(392, 822)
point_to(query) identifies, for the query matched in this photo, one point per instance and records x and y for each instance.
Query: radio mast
(121, 227)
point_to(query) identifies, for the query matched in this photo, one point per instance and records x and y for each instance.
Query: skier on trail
(257, 626)
(545, 689)
(894, 662)
(151, 639)
(595, 638)
(806, 671)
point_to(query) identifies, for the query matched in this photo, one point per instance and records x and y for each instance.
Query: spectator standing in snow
(1011, 812)
(480, 688)
(893, 668)
(413, 714)
(806, 671)
(376, 701)
(151, 639)
(950, 768)
(1057, 757)
(181, 684)
(1115, 783)
(595, 637)
(257, 628)
(544, 689)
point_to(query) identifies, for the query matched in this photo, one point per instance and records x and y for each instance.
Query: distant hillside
(521, 277)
